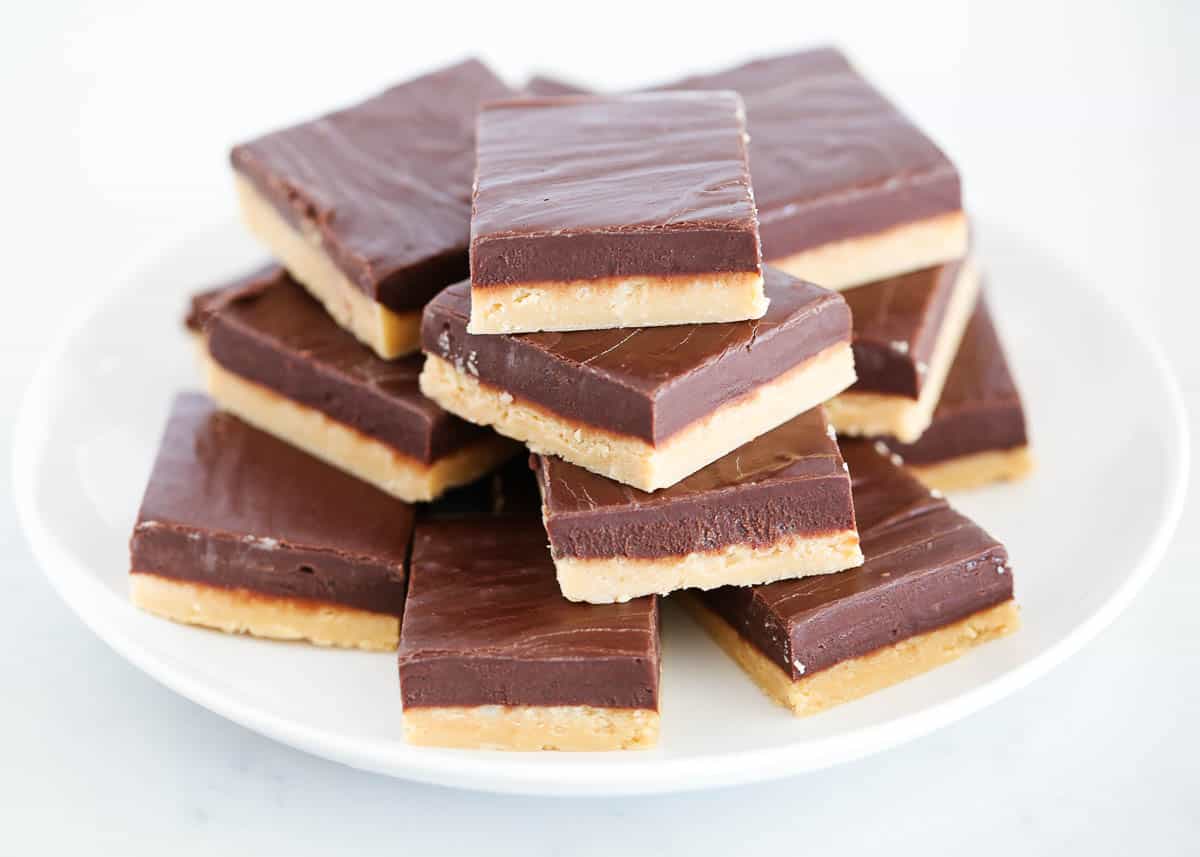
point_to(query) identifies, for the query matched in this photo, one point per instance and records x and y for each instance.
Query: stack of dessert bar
(615, 400)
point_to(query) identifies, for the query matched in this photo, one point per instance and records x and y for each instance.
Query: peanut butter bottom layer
(617, 302)
(857, 677)
(865, 259)
(531, 727)
(632, 460)
(243, 611)
(388, 333)
(603, 581)
(976, 470)
(348, 449)
(866, 414)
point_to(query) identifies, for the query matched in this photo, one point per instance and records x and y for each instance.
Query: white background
(1076, 125)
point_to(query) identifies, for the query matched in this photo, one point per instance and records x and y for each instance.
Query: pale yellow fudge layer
(241, 611)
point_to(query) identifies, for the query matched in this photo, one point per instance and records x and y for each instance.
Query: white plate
(1085, 532)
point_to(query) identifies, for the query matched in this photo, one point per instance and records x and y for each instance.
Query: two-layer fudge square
(778, 507)
(241, 532)
(493, 657)
(624, 211)
(369, 207)
(644, 406)
(933, 586)
(278, 361)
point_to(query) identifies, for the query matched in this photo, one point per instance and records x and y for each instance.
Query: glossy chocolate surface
(277, 335)
(203, 305)
(787, 482)
(645, 382)
(385, 184)
(896, 326)
(486, 624)
(831, 157)
(926, 566)
(230, 506)
(588, 187)
(980, 408)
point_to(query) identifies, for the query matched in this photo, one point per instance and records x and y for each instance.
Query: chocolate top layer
(586, 187)
(926, 566)
(646, 382)
(385, 184)
(203, 305)
(228, 505)
(980, 408)
(831, 157)
(277, 335)
(786, 482)
(486, 625)
(896, 326)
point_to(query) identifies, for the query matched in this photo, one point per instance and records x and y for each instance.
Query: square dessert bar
(239, 531)
(278, 361)
(978, 431)
(906, 332)
(778, 507)
(595, 212)
(493, 657)
(848, 189)
(933, 586)
(645, 406)
(369, 207)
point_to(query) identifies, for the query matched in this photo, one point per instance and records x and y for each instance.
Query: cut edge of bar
(868, 414)
(347, 449)
(850, 262)
(976, 469)
(616, 302)
(532, 727)
(246, 611)
(857, 677)
(388, 333)
(617, 579)
(628, 459)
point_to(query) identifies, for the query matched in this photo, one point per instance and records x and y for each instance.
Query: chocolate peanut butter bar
(240, 532)
(776, 508)
(278, 361)
(644, 406)
(907, 330)
(934, 585)
(848, 190)
(978, 431)
(369, 207)
(595, 212)
(493, 657)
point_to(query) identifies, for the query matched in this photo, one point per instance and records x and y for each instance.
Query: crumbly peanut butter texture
(388, 333)
(628, 459)
(240, 611)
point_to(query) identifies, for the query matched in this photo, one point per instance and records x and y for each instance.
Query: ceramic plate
(1084, 533)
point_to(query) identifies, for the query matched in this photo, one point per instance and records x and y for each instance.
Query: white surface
(87, 434)
(1081, 129)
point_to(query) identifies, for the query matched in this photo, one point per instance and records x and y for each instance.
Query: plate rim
(522, 773)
